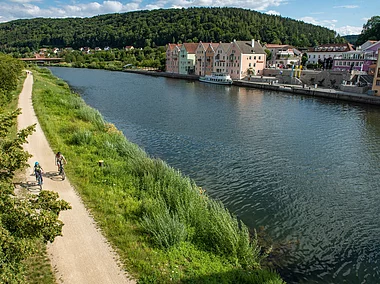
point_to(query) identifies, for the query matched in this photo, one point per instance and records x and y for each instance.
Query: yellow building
(376, 77)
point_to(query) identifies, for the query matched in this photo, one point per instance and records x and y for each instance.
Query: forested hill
(159, 27)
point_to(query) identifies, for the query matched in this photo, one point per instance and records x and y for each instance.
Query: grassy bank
(161, 223)
(36, 268)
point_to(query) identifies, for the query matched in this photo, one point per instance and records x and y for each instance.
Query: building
(322, 53)
(200, 57)
(245, 58)
(239, 58)
(376, 77)
(210, 55)
(187, 58)
(283, 56)
(220, 59)
(358, 60)
(172, 58)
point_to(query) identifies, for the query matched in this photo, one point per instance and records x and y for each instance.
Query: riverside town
(142, 143)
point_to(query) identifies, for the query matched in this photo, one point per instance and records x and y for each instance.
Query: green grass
(37, 269)
(164, 227)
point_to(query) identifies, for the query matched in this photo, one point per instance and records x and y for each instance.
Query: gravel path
(82, 254)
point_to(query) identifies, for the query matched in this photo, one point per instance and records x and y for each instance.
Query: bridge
(42, 61)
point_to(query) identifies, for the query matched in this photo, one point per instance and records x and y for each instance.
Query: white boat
(217, 78)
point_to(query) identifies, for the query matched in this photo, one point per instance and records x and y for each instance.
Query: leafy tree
(160, 27)
(371, 30)
(22, 220)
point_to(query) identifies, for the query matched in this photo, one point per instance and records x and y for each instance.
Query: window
(250, 57)
(377, 82)
(250, 65)
(254, 57)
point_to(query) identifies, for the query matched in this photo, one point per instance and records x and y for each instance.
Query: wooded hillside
(159, 27)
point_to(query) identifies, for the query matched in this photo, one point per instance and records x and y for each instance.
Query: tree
(371, 30)
(22, 220)
(304, 59)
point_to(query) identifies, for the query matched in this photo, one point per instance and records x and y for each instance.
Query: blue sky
(345, 17)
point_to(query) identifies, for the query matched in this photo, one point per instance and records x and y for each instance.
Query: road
(82, 254)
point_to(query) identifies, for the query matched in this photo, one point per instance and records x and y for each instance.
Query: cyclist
(60, 160)
(38, 171)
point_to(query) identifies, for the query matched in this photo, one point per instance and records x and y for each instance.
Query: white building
(283, 55)
(326, 51)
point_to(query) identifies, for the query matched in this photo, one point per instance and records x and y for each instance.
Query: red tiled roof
(332, 47)
(190, 47)
(272, 45)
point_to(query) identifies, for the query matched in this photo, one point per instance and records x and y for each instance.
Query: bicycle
(61, 170)
(39, 179)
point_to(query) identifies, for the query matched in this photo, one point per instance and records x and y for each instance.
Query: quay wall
(308, 91)
(314, 92)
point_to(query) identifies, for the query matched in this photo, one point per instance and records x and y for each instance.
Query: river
(306, 169)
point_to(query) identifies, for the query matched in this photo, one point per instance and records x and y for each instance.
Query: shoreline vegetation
(27, 221)
(164, 227)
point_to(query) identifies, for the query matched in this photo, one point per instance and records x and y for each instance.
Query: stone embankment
(294, 89)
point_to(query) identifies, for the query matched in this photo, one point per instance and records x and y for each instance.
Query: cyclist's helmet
(36, 163)
(58, 153)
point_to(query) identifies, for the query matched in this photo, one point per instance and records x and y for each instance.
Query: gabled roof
(173, 46)
(213, 45)
(224, 46)
(272, 45)
(190, 47)
(374, 44)
(246, 47)
(332, 47)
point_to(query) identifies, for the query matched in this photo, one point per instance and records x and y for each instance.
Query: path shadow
(31, 186)
(53, 176)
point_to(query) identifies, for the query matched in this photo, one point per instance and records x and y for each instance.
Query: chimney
(253, 43)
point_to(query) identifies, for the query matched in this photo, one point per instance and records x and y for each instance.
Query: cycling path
(82, 254)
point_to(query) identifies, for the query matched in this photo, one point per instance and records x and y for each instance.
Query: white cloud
(259, 5)
(24, 1)
(272, 12)
(346, 6)
(24, 9)
(349, 30)
(331, 24)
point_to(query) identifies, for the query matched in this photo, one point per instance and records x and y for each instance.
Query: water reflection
(306, 169)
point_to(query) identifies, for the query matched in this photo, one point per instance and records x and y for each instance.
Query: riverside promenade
(294, 89)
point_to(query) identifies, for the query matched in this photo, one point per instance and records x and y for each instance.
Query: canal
(305, 169)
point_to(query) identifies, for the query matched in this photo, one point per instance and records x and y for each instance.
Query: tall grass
(147, 209)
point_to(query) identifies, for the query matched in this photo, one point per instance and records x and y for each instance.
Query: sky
(345, 17)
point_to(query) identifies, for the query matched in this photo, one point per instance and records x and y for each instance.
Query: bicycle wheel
(63, 174)
(39, 181)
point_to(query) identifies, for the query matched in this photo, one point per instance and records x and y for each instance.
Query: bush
(91, 115)
(165, 228)
(81, 137)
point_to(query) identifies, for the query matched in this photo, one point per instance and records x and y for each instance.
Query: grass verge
(36, 268)
(162, 225)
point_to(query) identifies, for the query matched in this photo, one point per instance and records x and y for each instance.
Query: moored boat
(217, 78)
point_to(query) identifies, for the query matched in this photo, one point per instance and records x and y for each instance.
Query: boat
(217, 78)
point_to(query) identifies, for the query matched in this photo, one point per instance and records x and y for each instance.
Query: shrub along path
(82, 254)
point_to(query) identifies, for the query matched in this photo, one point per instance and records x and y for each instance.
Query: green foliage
(159, 27)
(164, 226)
(371, 30)
(24, 220)
(81, 137)
(10, 70)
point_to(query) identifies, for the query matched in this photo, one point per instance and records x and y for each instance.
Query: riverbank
(164, 227)
(294, 89)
